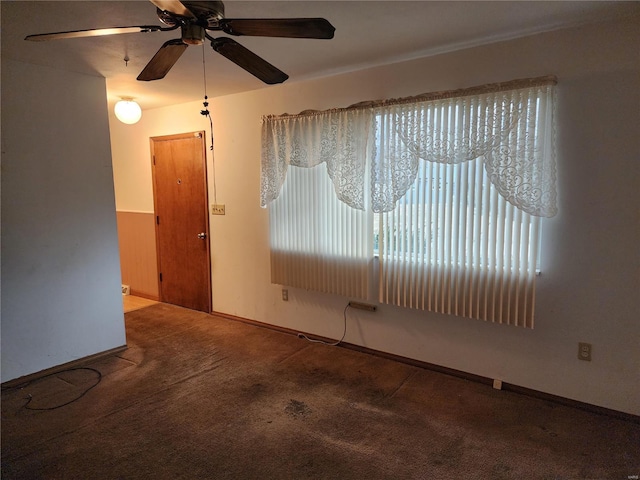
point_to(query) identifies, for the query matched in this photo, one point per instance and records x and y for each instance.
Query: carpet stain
(450, 454)
(255, 391)
(297, 409)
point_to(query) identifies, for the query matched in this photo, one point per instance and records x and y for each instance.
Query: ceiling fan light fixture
(128, 111)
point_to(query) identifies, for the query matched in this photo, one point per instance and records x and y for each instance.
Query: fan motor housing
(192, 34)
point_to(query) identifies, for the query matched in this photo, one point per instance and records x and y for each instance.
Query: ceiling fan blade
(94, 32)
(163, 60)
(279, 27)
(173, 6)
(248, 60)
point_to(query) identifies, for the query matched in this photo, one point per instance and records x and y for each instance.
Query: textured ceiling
(367, 33)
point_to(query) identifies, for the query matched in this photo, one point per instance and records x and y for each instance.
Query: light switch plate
(217, 209)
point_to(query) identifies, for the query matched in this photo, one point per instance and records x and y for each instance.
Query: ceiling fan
(196, 19)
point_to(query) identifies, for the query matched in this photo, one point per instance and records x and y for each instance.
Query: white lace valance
(337, 138)
(510, 126)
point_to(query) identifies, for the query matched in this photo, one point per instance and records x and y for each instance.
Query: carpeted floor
(197, 396)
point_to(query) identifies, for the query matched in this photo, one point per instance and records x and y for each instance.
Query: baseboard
(451, 371)
(65, 366)
(137, 293)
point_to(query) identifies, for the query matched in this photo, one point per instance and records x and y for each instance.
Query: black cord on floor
(26, 405)
(344, 333)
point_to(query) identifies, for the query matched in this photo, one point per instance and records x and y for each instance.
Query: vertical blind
(447, 188)
(318, 242)
(453, 245)
(455, 242)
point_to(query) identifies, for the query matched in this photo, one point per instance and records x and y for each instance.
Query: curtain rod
(425, 97)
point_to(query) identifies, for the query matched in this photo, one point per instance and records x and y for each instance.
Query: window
(318, 242)
(453, 245)
(447, 189)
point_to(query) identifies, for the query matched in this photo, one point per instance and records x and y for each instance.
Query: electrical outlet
(285, 295)
(497, 384)
(584, 351)
(126, 290)
(217, 209)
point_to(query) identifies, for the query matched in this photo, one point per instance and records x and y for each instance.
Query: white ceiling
(367, 33)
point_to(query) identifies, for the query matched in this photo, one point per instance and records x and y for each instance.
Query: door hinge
(157, 219)
(161, 277)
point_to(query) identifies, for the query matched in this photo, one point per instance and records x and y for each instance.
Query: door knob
(202, 236)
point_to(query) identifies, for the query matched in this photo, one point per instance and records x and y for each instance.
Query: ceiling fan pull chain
(207, 114)
(204, 73)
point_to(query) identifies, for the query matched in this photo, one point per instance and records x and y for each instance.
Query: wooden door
(182, 220)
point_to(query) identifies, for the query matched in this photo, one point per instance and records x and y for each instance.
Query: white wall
(588, 291)
(61, 297)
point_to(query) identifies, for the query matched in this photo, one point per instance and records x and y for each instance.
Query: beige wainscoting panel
(138, 260)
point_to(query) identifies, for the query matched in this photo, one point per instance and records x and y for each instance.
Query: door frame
(178, 136)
